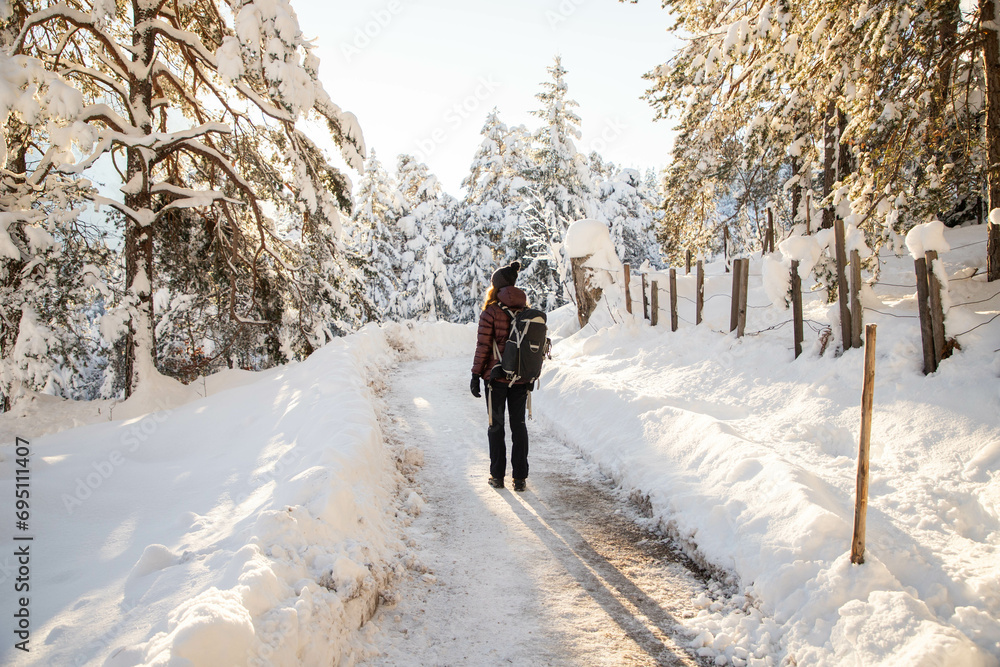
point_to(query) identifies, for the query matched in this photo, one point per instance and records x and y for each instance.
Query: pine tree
(624, 204)
(492, 213)
(53, 262)
(869, 112)
(424, 274)
(560, 179)
(377, 236)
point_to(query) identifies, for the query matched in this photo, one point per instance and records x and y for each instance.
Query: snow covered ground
(257, 518)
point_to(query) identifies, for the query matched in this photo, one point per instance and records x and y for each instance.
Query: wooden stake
(926, 328)
(699, 299)
(673, 299)
(797, 307)
(857, 314)
(734, 313)
(744, 282)
(645, 299)
(654, 298)
(937, 311)
(628, 295)
(861, 496)
(687, 261)
(845, 311)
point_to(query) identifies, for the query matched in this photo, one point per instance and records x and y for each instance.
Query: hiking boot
(519, 485)
(497, 482)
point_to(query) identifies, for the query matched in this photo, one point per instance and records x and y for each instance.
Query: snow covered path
(560, 574)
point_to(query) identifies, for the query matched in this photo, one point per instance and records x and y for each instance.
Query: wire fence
(641, 298)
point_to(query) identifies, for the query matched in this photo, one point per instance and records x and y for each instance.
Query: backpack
(526, 347)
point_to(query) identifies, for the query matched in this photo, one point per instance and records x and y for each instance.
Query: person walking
(501, 395)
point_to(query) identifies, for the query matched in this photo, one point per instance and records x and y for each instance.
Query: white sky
(426, 74)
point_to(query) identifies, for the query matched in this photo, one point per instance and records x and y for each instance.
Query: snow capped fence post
(654, 297)
(699, 302)
(926, 332)
(628, 295)
(845, 311)
(594, 264)
(856, 312)
(673, 299)
(645, 299)
(797, 307)
(924, 241)
(861, 497)
(937, 311)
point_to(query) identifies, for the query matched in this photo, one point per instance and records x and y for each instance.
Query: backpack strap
(489, 402)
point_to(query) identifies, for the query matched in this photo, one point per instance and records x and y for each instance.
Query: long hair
(491, 297)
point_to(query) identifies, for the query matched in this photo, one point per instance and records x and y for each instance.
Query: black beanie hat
(506, 276)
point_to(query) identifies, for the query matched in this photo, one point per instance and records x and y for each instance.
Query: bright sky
(421, 75)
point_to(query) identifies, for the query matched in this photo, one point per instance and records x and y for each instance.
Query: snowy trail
(560, 574)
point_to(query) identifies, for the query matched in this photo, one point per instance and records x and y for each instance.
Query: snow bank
(256, 525)
(749, 458)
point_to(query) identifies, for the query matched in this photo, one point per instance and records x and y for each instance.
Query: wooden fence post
(744, 283)
(734, 312)
(645, 299)
(654, 298)
(857, 315)
(797, 307)
(699, 298)
(628, 295)
(687, 261)
(845, 311)
(673, 299)
(923, 308)
(937, 311)
(861, 496)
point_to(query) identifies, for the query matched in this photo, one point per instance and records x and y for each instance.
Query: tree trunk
(844, 162)
(991, 68)
(829, 160)
(587, 295)
(796, 189)
(140, 345)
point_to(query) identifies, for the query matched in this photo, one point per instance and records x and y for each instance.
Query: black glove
(474, 386)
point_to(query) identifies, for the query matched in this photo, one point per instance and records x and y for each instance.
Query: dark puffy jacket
(494, 324)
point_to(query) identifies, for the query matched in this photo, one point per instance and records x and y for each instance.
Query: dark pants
(514, 398)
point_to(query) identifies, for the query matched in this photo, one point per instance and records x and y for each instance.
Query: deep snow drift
(257, 524)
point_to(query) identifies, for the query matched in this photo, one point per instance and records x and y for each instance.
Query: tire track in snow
(559, 574)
